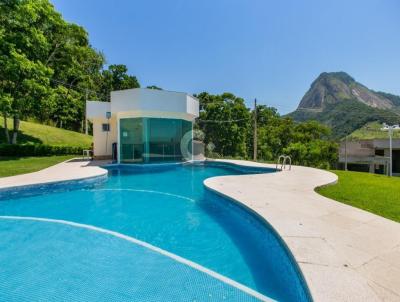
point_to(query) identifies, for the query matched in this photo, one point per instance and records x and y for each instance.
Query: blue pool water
(169, 208)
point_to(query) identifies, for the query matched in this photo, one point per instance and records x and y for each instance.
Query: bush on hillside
(37, 150)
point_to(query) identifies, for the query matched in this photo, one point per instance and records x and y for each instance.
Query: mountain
(395, 99)
(339, 101)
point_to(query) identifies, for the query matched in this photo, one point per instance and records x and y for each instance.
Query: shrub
(37, 150)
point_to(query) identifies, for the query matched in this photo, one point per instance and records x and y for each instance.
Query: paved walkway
(73, 169)
(345, 254)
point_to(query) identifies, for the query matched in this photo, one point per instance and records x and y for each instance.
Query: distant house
(370, 155)
(143, 125)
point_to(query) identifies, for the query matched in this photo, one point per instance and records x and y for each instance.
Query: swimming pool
(166, 206)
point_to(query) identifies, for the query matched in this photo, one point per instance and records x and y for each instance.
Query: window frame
(107, 128)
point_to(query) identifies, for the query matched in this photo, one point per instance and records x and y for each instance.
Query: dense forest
(48, 69)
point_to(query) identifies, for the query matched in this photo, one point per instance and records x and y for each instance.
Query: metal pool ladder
(284, 160)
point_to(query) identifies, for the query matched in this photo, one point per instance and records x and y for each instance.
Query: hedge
(37, 150)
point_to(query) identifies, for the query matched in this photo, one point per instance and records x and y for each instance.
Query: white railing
(284, 160)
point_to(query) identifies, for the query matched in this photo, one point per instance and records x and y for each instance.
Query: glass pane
(131, 138)
(164, 139)
(152, 139)
(186, 127)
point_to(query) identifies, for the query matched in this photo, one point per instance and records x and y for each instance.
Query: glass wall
(132, 132)
(152, 139)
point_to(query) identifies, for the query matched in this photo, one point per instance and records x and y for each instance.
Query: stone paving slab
(73, 169)
(345, 254)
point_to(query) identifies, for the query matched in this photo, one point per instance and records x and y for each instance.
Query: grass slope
(13, 166)
(372, 131)
(43, 134)
(374, 193)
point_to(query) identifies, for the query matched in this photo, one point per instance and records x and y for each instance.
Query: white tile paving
(345, 254)
(74, 169)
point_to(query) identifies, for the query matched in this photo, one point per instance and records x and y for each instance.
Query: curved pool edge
(334, 244)
(72, 171)
(146, 245)
(264, 221)
(309, 225)
(78, 175)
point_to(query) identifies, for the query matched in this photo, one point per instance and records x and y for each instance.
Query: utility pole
(390, 148)
(255, 131)
(86, 121)
(345, 154)
(390, 130)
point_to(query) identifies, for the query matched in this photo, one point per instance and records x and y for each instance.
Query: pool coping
(281, 242)
(344, 253)
(335, 245)
(72, 170)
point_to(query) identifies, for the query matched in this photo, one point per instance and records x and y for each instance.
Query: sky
(264, 49)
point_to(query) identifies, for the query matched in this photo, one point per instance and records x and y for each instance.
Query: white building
(143, 125)
(370, 156)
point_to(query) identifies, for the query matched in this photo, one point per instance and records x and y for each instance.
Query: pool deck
(74, 169)
(345, 254)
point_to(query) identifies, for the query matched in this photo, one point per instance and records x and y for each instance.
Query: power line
(222, 121)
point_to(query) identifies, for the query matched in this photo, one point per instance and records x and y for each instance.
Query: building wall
(132, 103)
(156, 114)
(102, 146)
(97, 109)
(150, 100)
(384, 143)
(356, 149)
(371, 154)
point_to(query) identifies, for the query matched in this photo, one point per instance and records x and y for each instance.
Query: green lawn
(12, 165)
(43, 134)
(374, 193)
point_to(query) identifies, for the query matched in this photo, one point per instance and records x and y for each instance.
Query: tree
(228, 126)
(225, 120)
(273, 132)
(116, 78)
(310, 145)
(44, 62)
(23, 76)
(5, 108)
(76, 68)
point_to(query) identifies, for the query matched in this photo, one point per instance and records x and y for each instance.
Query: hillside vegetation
(346, 117)
(337, 100)
(43, 134)
(372, 131)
